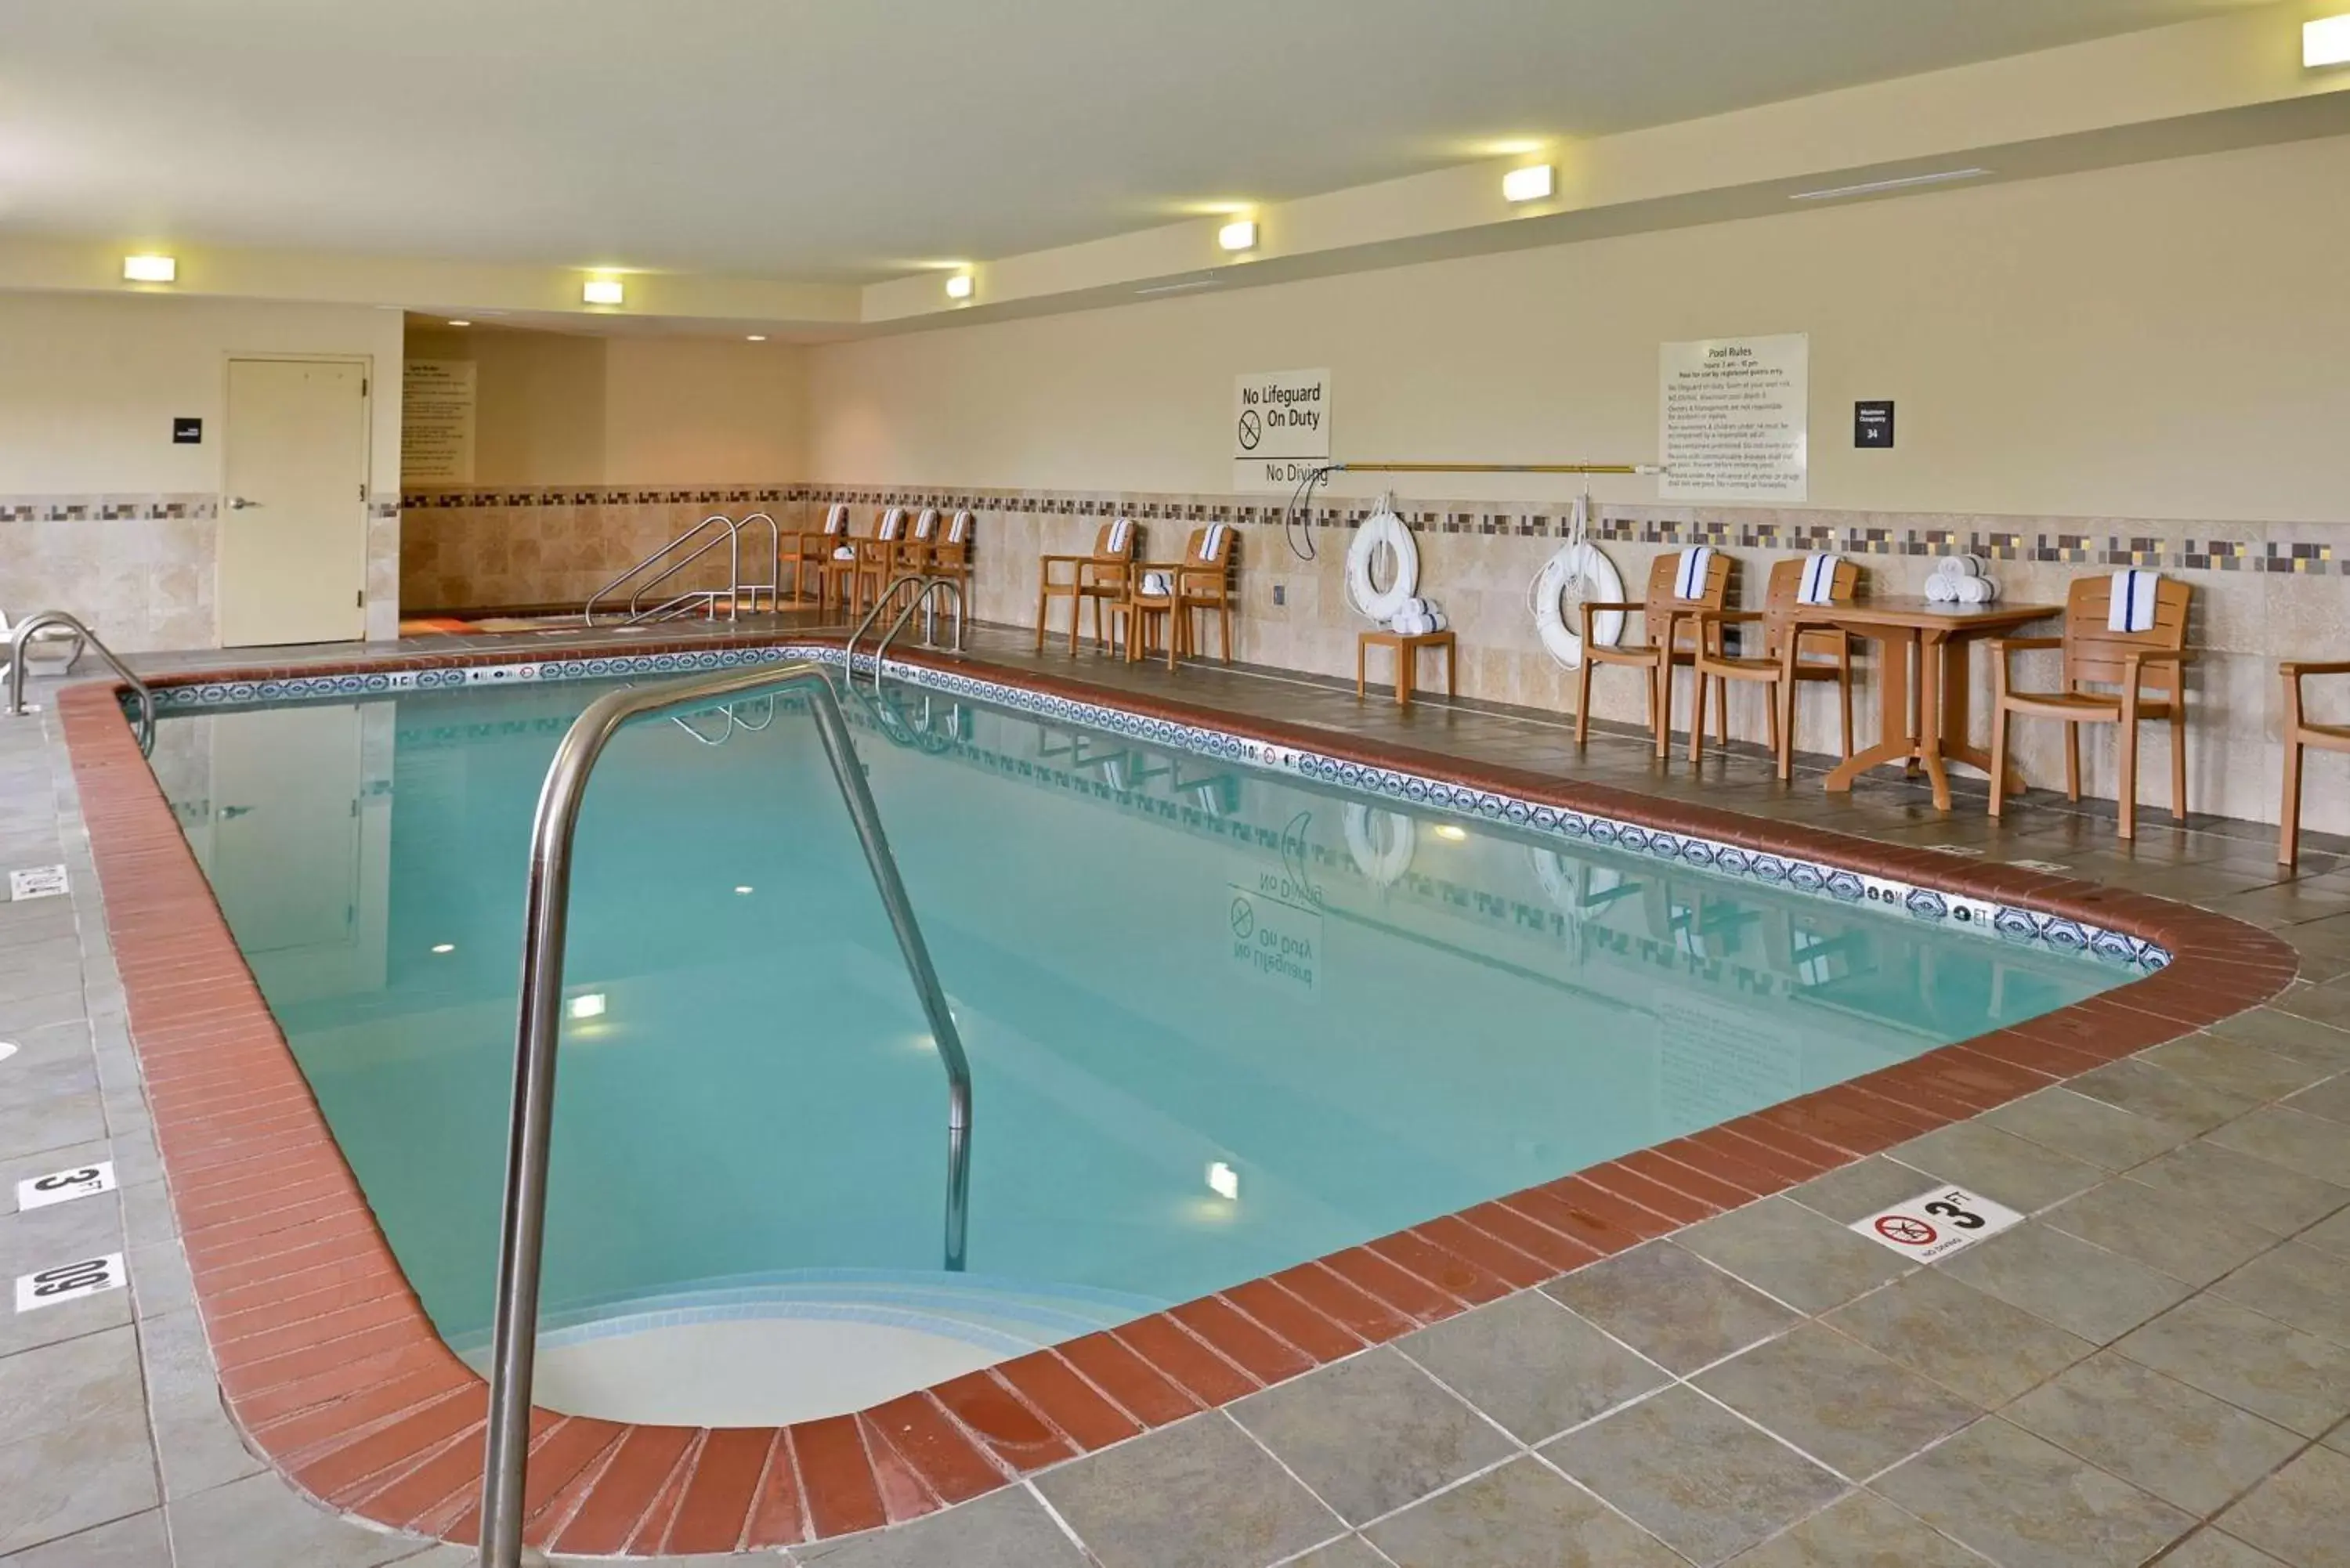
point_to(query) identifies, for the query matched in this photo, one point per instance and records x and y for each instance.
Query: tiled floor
(2156, 1364)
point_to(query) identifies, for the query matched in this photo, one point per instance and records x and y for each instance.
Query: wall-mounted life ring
(1582, 565)
(1384, 864)
(1382, 530)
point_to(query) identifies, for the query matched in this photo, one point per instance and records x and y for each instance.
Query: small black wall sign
(1872, 423)
(187, 432)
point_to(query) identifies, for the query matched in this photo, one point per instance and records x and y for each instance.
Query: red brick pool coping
(329, 1365)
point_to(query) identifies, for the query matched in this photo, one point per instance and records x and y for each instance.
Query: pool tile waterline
(1749, 1158)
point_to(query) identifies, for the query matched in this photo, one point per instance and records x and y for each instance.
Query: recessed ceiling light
(602, 291)
(461, 324)
(1871, 187)
(1533, 184)
(755, 337)
(1238, 235)
(2325, 42)
(151, 269)
(959, 287)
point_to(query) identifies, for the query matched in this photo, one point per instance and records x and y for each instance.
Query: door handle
(238, 504)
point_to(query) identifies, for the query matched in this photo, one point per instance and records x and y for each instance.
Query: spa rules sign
(1281, 428)
(1732, 419)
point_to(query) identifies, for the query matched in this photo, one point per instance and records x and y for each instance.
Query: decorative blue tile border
(1817, 879)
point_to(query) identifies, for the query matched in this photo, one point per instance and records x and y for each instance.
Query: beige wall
(562, 408)
(2159, 341)
(101, 512)
(2143, 359)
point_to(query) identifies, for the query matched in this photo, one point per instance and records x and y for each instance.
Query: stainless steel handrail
(522, 1234)
(880, 602)
(21, 640)
(930, 586)
(735, 586)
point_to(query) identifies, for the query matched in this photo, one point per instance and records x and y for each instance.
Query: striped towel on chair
(2133, 607)
(1689, 582)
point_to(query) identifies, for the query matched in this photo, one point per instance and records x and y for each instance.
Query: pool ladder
(926, 585)
(20, 643)
(712, 530)
(546, 907)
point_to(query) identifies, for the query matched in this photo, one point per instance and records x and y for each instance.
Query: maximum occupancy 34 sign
(1280, 427)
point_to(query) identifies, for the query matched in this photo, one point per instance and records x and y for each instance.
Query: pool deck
(2156, 1363)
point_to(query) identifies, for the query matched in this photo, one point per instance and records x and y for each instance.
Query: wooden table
(1934, 732)
(1407, 648)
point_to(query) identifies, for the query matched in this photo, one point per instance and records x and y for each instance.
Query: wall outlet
(1281, 593)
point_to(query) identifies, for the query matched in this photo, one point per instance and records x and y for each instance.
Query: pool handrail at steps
(683, 602)
(924, 584)
(522, 1230)
(20, 643)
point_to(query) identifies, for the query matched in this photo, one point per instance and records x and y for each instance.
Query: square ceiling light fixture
(151, 269)
(958, 286)
(1240, 234)
(603, 291)
(2325, 42)
(1533, 184)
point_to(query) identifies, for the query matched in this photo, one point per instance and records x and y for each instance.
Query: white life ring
(1583, 564)
(1384, 865)
(1382, 530)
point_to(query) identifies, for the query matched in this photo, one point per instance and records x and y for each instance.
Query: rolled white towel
(2133, 607)
(1942, 589)
(1962, 566)
(1689, 581)
(1977, 590)
(846, 553)
(1411, 623)
(1158, 585)
(1438, 620)
(1819, 578)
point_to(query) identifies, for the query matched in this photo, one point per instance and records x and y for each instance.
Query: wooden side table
(1406, 651)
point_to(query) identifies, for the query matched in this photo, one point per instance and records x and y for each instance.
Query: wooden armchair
(2299, 734)
(1095, 580)
(2138, 662)
(860, 565)
(1820, 653)
(1180, 590)
(807, 550)
(1669, 622)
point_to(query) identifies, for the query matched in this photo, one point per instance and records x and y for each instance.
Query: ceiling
(827, 141)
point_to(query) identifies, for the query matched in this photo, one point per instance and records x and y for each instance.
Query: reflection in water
(1219, 1022)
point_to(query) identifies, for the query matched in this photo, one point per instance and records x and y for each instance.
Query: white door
(293, 520)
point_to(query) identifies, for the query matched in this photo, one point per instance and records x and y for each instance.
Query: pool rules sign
(1281, 428)
(1733, 419)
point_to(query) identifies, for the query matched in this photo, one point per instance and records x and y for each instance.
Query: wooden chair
(1669, 622)
(1821, 653)
(856, 579)
(1177, 591)
(809, 549)
(2096, 655)
(2299, 732)
(1095, 580)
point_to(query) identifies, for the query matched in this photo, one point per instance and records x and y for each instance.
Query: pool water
(1219, 1022)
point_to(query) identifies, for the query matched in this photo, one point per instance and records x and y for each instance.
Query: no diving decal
(1938, 1223)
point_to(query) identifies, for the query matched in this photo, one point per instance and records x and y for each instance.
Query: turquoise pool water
(1219, 1022)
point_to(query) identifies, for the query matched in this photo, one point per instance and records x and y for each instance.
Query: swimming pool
(1223, 1016)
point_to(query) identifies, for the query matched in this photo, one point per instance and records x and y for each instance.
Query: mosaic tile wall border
(2172, 545)
(1814, 877)
(182, 506)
